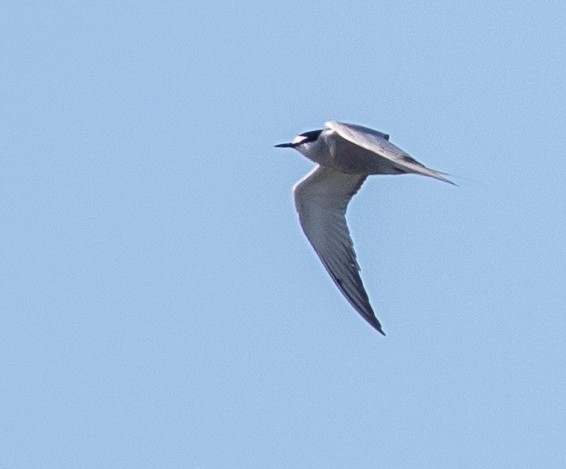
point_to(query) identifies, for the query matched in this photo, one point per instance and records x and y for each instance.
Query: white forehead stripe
(298, 139)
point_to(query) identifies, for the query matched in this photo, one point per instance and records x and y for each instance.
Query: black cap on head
(305, 137)
(311, 135)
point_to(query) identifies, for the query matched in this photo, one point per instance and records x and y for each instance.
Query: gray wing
(321, 200)
(378, 143)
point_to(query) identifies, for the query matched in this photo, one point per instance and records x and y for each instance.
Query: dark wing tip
(377, 326)
(374, 322)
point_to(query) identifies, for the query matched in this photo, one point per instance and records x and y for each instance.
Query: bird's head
(303, 142)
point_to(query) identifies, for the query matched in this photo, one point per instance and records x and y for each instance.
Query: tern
(346, 154)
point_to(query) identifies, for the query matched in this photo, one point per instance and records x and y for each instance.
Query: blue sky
(161, 306)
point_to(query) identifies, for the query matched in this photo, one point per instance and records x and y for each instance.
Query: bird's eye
(310, 136)
(299, 139)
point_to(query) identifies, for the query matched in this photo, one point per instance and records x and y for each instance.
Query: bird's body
(346, 154)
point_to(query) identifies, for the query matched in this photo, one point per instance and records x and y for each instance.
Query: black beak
(284, 145)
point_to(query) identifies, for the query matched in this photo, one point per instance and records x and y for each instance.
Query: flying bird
(346, 154)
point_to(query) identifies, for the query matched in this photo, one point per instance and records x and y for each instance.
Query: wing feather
(379, 144)
(321, 200)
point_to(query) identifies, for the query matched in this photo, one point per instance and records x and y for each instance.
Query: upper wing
(321, 199)
(378, 143)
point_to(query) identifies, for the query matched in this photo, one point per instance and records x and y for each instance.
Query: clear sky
(160, 306)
